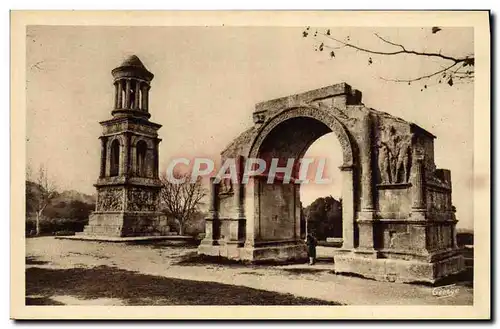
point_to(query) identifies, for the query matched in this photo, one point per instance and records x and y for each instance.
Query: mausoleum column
(145, 97)
(136, 95)
(119, 98)
(142, 89)
(133, 158)
(116, 94)
(102, 171)
(418, 186)
(127, 93)
(125, 152)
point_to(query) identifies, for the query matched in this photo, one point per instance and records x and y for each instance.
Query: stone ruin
(397, 213)
(398, 221)
(128, 186)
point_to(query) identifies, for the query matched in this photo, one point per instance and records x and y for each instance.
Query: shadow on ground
(194, 259)
(41, 301)
(299, 271)
(139, 289)
(34, 261)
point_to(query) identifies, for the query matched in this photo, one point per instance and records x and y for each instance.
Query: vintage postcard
(222, 165)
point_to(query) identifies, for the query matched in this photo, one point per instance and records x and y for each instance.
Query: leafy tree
(324, 218)
(49, 211)
(454, 67)
(39, 198)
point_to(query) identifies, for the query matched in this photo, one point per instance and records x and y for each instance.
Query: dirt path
(313, 283)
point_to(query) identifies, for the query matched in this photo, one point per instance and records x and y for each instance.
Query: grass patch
(161, 245)
(353, 275)
(140, 289)
(194, 259)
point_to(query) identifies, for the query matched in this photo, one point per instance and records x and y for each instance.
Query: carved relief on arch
(311, 112)
(394, 154)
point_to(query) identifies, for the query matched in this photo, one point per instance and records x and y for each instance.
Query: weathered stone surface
(398, 220)
(110, 199)
(277, 208)
(397, 270)
(281, 252)
(141, 199)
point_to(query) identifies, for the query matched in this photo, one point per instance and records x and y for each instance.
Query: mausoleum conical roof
(133, 61)
(132, 67)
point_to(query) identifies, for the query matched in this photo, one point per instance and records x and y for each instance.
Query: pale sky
(208, 79)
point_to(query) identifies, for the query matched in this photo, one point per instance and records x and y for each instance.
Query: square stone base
(294, 251)
(397, 270)
(126, 224)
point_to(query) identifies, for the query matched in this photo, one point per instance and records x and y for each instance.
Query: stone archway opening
(280, 206)
(321, 201)
(141, 148)
(115, 158)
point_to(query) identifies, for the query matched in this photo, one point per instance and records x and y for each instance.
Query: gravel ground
(67, 272)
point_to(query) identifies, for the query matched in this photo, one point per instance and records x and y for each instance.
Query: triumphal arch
(397, 213)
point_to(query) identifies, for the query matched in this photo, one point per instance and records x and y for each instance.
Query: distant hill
(71, 195)
(67, 211)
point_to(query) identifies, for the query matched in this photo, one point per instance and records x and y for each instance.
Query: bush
(324, 218)
(193, 227)
(53, 225)
(196, 225)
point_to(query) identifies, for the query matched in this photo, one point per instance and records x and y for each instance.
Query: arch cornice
(320, 114)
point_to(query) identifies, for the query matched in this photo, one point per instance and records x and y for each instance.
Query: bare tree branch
(389, 42)
(455, 70)
(398, 52)
(421, 77)
(37, 65)
(181, 200)
(47, 194)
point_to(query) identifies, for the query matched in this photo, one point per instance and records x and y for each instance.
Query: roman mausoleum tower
(128, 186)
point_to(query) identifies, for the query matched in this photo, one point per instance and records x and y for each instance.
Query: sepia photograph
(331, 162)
